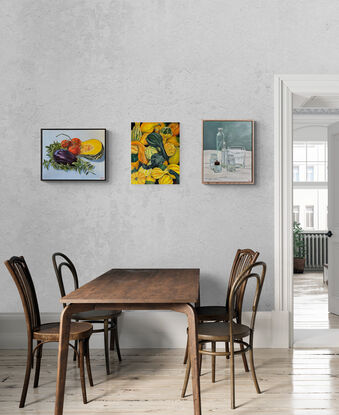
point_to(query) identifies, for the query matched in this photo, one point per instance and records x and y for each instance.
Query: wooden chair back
(19, 271)
(237, 286)
(242, 260)
(58, 267)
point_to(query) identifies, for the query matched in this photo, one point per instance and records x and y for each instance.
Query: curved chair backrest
(19, 271)
(238, 286)
(242, 260)
(66, 262)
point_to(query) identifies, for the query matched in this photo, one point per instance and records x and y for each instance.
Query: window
(309, 216)
(296, 214)
(310, 161)
(296, 173)
(313, 201)
(310, 174)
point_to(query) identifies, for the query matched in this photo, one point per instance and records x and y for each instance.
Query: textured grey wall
(105, 63)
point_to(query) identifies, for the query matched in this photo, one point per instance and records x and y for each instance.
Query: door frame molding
(284, 88)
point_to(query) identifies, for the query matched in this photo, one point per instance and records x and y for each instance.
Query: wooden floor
(311, 303)
(294, 382)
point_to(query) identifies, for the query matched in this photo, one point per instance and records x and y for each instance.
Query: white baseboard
(151, 329)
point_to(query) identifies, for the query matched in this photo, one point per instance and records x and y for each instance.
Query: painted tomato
(65, 143)
(76, 141)
(74, 150)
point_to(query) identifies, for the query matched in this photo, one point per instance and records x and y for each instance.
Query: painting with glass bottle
(228, 152)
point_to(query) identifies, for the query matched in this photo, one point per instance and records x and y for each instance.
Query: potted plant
(298, 249)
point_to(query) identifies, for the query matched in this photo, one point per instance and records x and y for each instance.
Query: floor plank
(297, 382)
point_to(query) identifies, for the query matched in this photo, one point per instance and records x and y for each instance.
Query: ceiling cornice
(316, 111)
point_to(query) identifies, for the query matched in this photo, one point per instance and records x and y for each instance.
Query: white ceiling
(315, 111)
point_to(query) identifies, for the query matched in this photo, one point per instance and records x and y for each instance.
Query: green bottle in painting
(136, 132)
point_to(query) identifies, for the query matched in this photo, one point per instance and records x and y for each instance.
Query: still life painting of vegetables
(155, 153)
(73, 154)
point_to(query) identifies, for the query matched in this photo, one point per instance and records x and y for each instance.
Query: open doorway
(305, 86)
(313, 117)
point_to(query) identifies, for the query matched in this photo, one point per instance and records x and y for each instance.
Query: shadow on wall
(212, 290)
(154, 329)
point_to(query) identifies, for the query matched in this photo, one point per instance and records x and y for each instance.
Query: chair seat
(50, 331)
(220, 331)
(96, 315)
(212, 313)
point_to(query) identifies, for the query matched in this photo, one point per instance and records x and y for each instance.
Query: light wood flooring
(311, 303)
(294, 382)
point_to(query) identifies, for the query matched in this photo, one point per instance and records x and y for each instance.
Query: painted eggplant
(64, 157)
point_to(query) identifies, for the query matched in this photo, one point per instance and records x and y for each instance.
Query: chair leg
(76, 348)
(187, 376)
(227, 350)
(213, 362)
(37, 365)
(106, 345)
(82, 370)
(116, 338)
(186, 351)
(111, 340)
(88, 362)
(254, 376)
(244, 360)
(232, 374)
(200, 347)
(27, 375)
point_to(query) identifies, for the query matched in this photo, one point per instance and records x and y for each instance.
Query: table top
(164, 285)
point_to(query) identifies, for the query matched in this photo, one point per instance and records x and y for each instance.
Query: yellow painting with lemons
(155, 153)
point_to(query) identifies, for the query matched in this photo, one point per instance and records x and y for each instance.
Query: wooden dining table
(175, 289)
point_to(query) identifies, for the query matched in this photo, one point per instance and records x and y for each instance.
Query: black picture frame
(59, 173)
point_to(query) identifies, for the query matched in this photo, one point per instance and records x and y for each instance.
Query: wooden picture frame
(73, 154)
(232, 162)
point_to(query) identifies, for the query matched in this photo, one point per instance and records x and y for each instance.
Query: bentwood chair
(232, 332)
(44, 333)
(109, 318)
(243, 258)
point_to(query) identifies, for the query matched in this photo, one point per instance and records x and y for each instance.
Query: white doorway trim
(284, 88)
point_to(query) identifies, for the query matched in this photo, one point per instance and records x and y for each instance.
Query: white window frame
(296, 169)
(308, 163)
(309, 216)
(307, 173)
(296, 211)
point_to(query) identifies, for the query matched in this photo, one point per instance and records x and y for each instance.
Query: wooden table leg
(75, 308)
(193, 353)
(65, 323)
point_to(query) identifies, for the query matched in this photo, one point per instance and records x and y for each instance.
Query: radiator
(316, 246)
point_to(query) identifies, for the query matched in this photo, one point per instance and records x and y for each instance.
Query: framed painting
(228, 152)
(155, 153)
(73, 154)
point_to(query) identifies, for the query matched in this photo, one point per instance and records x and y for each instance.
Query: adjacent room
(314, 117)
(169, 207)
